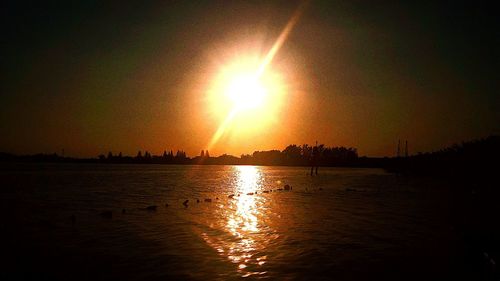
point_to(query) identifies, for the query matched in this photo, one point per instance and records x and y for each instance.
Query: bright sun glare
(246, 92)
(244, 99)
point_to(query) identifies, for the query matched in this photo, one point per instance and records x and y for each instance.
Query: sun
(244, 98)
(249, 97)
(246, 92)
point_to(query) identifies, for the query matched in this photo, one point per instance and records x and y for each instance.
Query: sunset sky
(91, 77)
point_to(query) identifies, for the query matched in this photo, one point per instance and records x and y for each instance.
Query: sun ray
(222, 128)
(281, 38)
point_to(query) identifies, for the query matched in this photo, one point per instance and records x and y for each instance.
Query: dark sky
(91, 77)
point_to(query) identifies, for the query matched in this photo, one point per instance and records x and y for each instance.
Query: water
(344, 224)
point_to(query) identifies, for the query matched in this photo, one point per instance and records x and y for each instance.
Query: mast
(406, 148)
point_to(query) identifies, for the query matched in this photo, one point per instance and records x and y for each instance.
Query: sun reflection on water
(245, 236)
(240, 230)
(243, 220)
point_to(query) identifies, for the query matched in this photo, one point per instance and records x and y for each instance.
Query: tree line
(471, 157)
(292, 155)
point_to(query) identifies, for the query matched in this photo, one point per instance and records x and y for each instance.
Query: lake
(343, 224)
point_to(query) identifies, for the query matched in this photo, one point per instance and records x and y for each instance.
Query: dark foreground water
(344, 224)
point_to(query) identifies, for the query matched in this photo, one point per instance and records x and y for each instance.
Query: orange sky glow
(241, 77)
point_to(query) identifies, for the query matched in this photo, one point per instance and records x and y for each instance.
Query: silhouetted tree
(271, 157)
(306, 151)
(147, 155)
(293, 154)
(180, 155)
